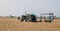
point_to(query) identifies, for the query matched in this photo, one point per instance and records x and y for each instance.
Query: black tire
(18, 18)
(49, 21)
(40, 21)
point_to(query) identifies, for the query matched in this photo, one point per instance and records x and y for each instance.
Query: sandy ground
(13, 24)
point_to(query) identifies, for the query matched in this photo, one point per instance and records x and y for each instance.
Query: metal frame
(49, 16)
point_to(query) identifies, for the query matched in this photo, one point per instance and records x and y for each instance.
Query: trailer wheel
(40, 21)
(49, 21)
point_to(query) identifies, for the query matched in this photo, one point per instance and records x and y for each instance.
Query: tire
(18, 18)
(40, 21)
(49, 21)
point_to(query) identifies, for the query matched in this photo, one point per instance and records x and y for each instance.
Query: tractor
(28, 18)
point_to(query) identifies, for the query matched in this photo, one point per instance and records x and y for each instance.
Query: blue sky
(18, 7)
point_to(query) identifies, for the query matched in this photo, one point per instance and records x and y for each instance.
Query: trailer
(47, 17)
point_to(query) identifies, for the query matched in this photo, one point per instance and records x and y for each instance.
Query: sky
(18, 7)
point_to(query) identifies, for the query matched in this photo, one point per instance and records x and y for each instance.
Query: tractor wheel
(18, 18)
